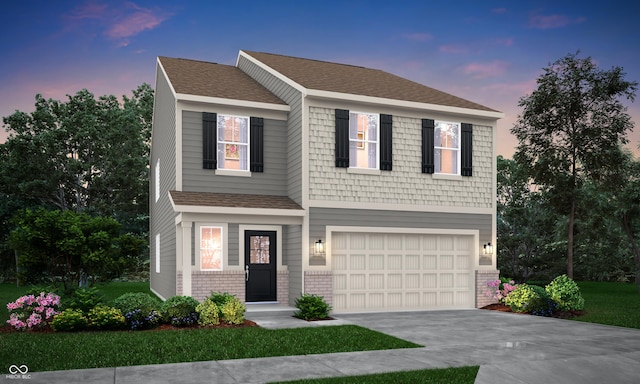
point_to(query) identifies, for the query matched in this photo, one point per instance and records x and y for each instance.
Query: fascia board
(232, 102)
(238, 211)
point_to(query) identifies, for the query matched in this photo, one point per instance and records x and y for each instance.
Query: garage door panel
(401, 271)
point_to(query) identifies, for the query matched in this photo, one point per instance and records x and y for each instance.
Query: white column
(186, 257)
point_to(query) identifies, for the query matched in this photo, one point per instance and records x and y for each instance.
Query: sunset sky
(489, 52)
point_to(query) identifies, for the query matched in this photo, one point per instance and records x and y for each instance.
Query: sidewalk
(510, 348)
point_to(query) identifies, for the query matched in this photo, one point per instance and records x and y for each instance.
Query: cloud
(499, 11)
(485, 70)
(418, 36)
(538, 21)
(451, 48)
(507, 42)
(118, 24)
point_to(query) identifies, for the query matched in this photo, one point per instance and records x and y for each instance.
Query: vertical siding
(294, 123)
(273, 181)
(292, 256)
(161, 215)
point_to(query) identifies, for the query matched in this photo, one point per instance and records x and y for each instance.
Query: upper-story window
(233, 142)
(363, 140)
(447, 147)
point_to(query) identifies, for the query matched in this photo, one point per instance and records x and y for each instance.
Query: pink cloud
(507, 42)
(451, 48)
(418, 36)
(88, 11)
(552, 21)
(132, 24)
(485, 70)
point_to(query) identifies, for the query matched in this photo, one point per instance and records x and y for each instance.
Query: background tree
(571, 130)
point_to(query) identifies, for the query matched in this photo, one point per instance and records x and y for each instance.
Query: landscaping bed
(557, 314)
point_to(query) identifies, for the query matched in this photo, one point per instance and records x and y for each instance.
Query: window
(363, 140)
(158, 253)
(157, 181)
(210, 248)
(233, 142)
(447, 147)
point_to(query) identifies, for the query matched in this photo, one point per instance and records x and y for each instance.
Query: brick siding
(481, 287)
(319, 283)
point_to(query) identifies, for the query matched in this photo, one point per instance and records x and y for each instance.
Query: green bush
(142, 318)
(208, 313)
(69, 320)
(105, 318)
(131, 301)
(83, 299)
(519, 299)
(566, 293)
(312, 307)
(179, 311)
(541, 304)
(233, 311)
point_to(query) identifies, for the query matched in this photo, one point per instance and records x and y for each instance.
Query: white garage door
(378, 271)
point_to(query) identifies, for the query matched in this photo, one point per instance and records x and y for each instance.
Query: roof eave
(238, 210)
(232, 102)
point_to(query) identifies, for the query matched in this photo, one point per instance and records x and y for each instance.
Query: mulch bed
(558, 314)
(162, 327)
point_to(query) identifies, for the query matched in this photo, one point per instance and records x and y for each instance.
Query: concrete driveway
(509, 348)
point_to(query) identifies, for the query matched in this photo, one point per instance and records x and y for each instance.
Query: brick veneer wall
(319, 283)
(203, 282)
(283, 287)
(481, 287)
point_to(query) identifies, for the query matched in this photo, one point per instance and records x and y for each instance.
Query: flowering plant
(499, 289)
(33, 311)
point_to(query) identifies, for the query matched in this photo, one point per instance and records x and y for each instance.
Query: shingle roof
(214, 80)
(327, 76)
(232, 200)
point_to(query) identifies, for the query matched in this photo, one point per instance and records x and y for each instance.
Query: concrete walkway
(509, 348)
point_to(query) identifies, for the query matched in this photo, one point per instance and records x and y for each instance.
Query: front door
(260, 265)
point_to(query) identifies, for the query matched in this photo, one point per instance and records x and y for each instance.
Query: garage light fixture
(488, 249)
(318, 247)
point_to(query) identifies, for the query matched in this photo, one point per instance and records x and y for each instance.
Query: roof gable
(350, 79)
(201, 78)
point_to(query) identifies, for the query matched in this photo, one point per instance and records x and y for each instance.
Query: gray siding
(233, 246)
(294, 127)
(292, 257)
(161, 215)
(273, 181)
(321, 217)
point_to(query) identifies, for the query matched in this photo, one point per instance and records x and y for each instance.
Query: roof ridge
(194, 60)
(316, 60)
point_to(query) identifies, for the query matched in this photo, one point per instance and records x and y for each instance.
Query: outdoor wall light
(488, 249)
(318, 247)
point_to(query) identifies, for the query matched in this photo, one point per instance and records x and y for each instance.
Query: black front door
(260, 265)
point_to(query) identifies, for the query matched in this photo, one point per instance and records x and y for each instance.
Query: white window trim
(157, 253)
(225, 247)
(234, 172)
(157, 180)
(367, 140)
(458, 150)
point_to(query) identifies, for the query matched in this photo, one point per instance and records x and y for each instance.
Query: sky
(487, 51)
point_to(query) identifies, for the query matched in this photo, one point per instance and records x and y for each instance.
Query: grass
(611, 303)
(42, 352)
(462, 375)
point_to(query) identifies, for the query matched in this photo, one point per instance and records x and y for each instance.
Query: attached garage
(379, 271)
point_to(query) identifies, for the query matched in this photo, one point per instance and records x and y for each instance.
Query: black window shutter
(466, 157)
(209, 140)
(256, 158)
(342, 138)
(386, 143)
(428, 127)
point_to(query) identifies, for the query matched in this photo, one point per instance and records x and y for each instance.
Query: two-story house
(283, 175)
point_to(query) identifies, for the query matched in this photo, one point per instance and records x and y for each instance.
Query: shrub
(83, 299)
(519, 299)
(105, 318)
(233, 311)
(136, 300)
(69, 320)
(208, 313)
(221, 298)
(499, 289)
(142, 318)
(179, 311)
(541, 304)
(566, 293)
(33, 311)
(312, 307)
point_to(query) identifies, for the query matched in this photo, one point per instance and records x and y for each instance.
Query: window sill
(228, 172)
(364, 171)
(442, 176)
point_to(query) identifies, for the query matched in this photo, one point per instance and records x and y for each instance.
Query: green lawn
(463, 375)
(611, 304)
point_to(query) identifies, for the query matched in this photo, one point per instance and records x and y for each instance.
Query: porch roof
(186, 201)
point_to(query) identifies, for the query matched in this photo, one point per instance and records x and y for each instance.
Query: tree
(571, 130)
(83, 154)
